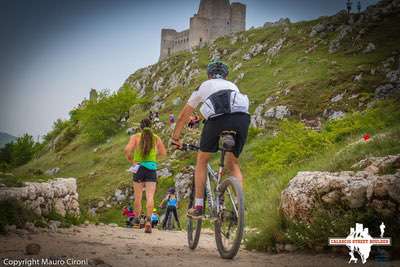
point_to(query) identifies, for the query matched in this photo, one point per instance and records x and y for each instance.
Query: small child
(154, 218)
(129, 213)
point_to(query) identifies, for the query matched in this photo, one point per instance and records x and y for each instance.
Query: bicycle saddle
(228, 140)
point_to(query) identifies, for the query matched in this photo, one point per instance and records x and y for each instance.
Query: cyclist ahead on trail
(145, 146)
(225, 109)
(172, 205)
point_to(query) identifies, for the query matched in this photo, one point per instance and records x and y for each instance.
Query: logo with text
(360, 241)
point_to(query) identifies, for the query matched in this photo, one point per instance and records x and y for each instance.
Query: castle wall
(238, 17)
(181, 41)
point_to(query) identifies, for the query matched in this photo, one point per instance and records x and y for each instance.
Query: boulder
(119, 195)
(247, 56)
(337, 98)
(386, 90)
(333, 115)
(164, 172)
(370, 48)
(177, 101)
(308, 190)
(237, 67)
(317, 29)
(278, 112)
(52, 171)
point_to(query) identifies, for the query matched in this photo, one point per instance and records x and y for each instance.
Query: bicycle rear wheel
(230, 223)
(193, 226)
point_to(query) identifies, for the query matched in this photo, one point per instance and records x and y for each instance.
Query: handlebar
(187, 147)
(192, 147)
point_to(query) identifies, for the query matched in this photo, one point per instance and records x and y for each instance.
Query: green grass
(344, 149)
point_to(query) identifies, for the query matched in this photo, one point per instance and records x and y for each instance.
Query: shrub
(58, 126)
(17, 153)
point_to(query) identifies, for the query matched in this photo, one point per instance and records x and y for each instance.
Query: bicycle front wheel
(230, 223)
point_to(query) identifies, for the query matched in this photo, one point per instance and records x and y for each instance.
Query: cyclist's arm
(162, 152)
(182, 121)
(130, 147)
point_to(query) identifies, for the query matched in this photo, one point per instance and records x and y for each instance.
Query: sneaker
(147, 228)
(195, 213)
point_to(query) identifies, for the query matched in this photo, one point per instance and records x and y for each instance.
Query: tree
(100, 120)
(22, 150)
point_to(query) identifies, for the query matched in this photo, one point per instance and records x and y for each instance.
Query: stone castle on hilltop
(214, 19)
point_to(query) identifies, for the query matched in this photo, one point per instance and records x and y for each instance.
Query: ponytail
(146, 141)
(147, 137)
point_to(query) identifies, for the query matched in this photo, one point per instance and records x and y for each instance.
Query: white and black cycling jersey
(219, 97)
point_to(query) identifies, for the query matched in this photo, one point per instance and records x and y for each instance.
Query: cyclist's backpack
(224, 102)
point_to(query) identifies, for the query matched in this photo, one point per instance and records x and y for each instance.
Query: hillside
(6, 138)
(315, 87)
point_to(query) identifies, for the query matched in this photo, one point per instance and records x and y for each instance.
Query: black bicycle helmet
(217, 69)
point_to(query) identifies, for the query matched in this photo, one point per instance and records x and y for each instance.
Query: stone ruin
(59, 195)
(215, 18)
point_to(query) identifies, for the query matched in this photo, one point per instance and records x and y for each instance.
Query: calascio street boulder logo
(359, 240)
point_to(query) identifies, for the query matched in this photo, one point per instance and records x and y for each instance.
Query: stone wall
(59, 195)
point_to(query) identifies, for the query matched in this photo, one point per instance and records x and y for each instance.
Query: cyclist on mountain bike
(225, 109)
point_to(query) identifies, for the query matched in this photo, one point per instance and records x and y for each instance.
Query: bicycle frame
(213, 201)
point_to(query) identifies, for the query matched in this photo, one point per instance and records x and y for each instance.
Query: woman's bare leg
(138, 189)
(150, 191)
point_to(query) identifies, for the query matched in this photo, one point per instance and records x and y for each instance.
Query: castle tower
(167, 42)
(238, 17)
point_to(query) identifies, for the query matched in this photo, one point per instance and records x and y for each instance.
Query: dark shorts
(145, 175)
(213, 128)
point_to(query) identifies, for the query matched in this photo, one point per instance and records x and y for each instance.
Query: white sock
(198, 202)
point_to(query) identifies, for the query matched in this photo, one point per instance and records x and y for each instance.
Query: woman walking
(145, 147)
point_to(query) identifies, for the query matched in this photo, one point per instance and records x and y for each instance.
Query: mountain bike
(224, 205)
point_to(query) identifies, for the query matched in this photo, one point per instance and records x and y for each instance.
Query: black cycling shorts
(238, 122)
(145, 175)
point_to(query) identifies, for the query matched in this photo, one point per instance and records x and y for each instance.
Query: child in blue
(154, 218)
(172, 205)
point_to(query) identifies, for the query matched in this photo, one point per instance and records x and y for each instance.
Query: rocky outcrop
(59, 195)
(184, 182)
(278, 112)
(308, 191)
(274, 50)
(280, 22)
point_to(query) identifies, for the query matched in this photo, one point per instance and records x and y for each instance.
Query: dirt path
(118, 246)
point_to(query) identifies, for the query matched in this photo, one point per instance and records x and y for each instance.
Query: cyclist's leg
(138, 191)
(150, 190)
(232, 165)
(200, 174)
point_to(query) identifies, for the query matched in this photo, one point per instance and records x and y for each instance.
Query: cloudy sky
(52, 51)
